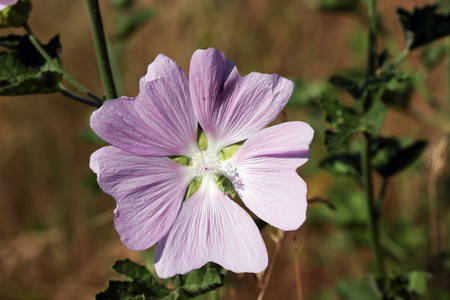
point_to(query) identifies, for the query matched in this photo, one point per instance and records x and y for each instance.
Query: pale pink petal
(230, 108)
(148, 190)
(159, 121)
(211, 227)
(265, 174)
(5, 3)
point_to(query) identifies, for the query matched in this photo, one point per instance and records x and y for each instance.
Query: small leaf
(229, 151)
(203, 280)
(185, 161)
(423, 26)
(202, 140)
(225, 185)
(347, 164)
(390, 155)
(24, 71)
(418, 281)
(349, 85)
(194, 185)
(398, 91)
(139, 284)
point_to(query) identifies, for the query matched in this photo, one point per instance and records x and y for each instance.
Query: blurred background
(57, 238)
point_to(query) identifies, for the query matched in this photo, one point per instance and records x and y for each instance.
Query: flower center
(205, 164)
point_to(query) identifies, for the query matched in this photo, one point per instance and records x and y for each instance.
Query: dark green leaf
(23, 70)
(349, 85)
(128, 24)
(424, 25)
(203, 280)
(339, 5)
(398, 92)
(347, 164)
(139, 284)
(390, 156)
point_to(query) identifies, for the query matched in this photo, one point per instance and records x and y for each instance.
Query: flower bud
(14, 13)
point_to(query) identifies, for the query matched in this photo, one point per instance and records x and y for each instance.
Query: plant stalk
(101, 48)
(372, 210)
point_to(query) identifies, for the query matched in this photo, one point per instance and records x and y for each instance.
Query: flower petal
(211, 227)
(160, 121)
(230, 108)
(265, 174)
(5, 3)
(148, 190)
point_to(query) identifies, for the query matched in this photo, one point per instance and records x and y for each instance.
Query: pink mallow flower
(5, 3)
(146, 132)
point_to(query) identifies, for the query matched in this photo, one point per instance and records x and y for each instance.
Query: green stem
(78, 98)
(101, 48)
(404, 55)
(47, 57)
(373, 213)
(382, 193)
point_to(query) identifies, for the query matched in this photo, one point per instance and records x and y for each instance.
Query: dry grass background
(57, 239)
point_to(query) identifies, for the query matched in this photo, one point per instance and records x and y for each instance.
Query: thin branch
(266, 276)
(298, 278)
(78, 98)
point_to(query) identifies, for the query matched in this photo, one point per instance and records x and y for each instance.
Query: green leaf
(349, 85)
(339, 5)
(229, 151)
(398, 91)
(390, 155)
(185, 161)
(139, 284)
(418, 281)
(194, 185)
(24, 71)
(346, 164)
(202, 141)
(128, 24)
(225, 185)
(15, 15)
(356, 290)
(423, 26)
(208, 278)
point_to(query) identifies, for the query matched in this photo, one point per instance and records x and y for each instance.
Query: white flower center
(205, 164)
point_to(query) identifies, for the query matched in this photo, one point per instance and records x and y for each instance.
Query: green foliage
(398, 91)
(433, 54)
(225, 185)
(306, 93)
(229, 151)
(347, 164)
(398, 286)
(390, 156)
(15, 15)
(339, 5)
(356, 290)
(185, 161)
(141, 284)
(194, 185)
(24, 71)
(202, 140)
(423, 26)
(349, 85)
(129, 23)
